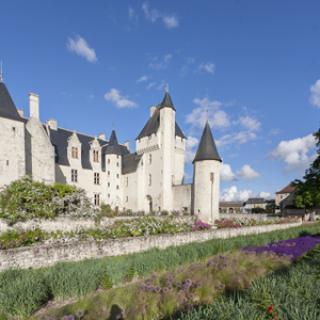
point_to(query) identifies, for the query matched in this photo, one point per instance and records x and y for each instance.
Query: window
(117, 187)
(97, 199)
(74, 175)
(150, 180)
(7, 162)
(108, 184)
(108, 173)
(74, 153)
(95, 156)
(127, 198)
(117, 164)
(150, 158)
(14, 131)
(108, 195)
(108, 161)
(96, 178)
(118, 175)
(127, 181)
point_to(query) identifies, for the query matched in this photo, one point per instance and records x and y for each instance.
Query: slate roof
(7, 107)
(130, 162)
(287, 189)
(153, 123)
(59, 139)
(256, 201)
(113, 146)
(207, 149)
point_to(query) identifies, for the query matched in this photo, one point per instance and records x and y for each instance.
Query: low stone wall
(48, 254)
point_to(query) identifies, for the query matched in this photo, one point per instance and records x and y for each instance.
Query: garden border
(43, 255)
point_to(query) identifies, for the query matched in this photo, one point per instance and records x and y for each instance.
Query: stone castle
(149, 179)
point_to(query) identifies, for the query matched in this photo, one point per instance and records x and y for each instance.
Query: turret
(206, 178)
(113, 168)
(167, 127)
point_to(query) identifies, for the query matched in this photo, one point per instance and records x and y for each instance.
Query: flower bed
(247, 222)
(294, 248)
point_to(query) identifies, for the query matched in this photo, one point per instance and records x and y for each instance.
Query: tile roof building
(149, 179)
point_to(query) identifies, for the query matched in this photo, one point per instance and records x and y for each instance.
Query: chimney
(53, 124)
(34, 105)
(20, 111)
(102, 136)
(127, 144)
(152, 110)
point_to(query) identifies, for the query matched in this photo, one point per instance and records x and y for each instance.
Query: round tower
(206, 178)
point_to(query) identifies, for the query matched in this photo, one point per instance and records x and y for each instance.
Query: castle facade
(151, 178)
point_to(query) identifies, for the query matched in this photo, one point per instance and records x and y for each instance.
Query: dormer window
(75, 153)
(95, 156)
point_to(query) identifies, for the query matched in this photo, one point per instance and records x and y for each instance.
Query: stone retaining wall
(48, 254)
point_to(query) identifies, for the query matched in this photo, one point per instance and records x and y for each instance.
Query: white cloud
(265, 195)
(246, 172)
(191, 145)
(233, 194)
(114, 96)
(160, 63)
(79, 46)
(250, 123)
(226, 173)
(315, 94)
(143, 78)
(235, 138)
(208, 67)
(170, 21)
(208, 110)
(296, 152)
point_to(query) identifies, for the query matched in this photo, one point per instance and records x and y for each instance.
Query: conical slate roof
(207, 149)
(7, 107)
(113, 146)
(167, 102)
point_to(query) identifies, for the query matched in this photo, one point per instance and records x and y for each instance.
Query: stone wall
(48, 254)
(257, 216)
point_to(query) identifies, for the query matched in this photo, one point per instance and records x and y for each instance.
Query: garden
(183, 282)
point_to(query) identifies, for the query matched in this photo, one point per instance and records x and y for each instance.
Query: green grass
(294, 293)
(75, 279)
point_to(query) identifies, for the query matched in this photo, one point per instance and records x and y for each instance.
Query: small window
(7, 162)
(118, 175)
(109, 184)
(74, 175)
(117, 187)
(150, 180)
(109, 161)
(150, 158)
(108, 195)
(97, 199)
(95, 156)
(14, 131)
(74, 153)
(127, 181)
(127, 198)
(108, 173)
(117, 164)
(96, 178)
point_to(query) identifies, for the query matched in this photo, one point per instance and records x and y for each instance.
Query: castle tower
(167, 129)
(113, 161)
(206, 178)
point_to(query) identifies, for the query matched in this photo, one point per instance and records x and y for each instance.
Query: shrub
(26, 199)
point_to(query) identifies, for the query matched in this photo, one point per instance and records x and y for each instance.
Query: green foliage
(18, 238)
(73, 279)
(106, 282)
(26, 199)
(307, 193)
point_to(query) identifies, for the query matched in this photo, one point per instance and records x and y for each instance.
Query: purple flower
(292, 248)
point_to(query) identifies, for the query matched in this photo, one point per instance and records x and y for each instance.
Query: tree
(307, 194)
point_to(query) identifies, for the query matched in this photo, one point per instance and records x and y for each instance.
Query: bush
(26, 199)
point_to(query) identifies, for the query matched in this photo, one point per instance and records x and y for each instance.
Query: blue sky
(254, 65)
